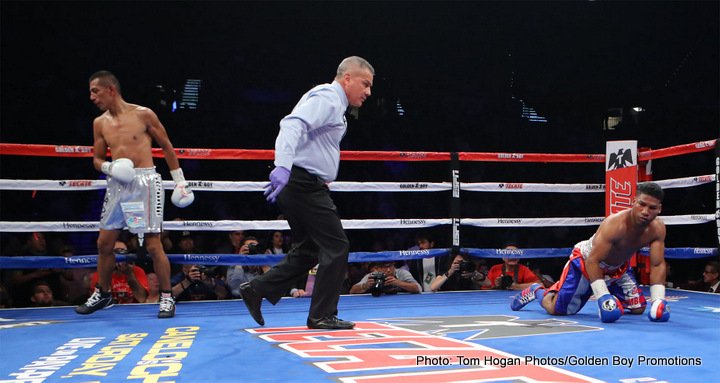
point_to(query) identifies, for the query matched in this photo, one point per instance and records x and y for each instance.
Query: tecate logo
(196, 152)
(704, 178)
(79, 183)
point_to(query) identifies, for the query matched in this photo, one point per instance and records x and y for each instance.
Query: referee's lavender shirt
(310, 135)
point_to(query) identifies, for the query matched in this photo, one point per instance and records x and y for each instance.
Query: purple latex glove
(279, 177)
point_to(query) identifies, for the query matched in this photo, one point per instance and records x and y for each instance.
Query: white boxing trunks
(137, 205)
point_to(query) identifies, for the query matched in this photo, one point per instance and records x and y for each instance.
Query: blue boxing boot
(526, 296)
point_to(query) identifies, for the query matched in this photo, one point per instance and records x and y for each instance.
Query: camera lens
(505, 282)
(377, 289)
(467, 266)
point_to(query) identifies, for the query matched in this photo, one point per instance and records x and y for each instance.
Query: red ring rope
(264, 154)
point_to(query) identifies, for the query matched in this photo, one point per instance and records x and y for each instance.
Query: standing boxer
(135, 195)
(307, 155)
(599, 265)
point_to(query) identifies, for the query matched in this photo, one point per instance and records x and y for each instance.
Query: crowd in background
(134, 281)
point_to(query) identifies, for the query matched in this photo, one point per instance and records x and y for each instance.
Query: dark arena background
(487, 125)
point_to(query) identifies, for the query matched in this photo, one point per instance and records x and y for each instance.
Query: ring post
(455, 201)
(621, 177)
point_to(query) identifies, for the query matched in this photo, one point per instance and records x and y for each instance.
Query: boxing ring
(430, 337)
(461, 336)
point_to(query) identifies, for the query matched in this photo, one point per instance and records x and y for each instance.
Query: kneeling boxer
(599, 266)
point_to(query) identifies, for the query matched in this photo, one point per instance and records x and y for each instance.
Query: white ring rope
(688, 219)
(253, 186)
(350, 224)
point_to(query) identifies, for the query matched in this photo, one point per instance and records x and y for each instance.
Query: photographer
(128, 282)
(424, 270)
(384, 278)
(462, 275)
(197, 283)
(237, 275)
(510, 275)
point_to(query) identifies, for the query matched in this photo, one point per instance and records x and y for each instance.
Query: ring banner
(35, 262)
(621, 175)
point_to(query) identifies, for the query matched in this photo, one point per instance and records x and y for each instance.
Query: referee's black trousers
(317, 237)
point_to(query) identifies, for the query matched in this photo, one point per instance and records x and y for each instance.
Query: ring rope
(86, 151)
(26, 262)
(343, 186)
(348, 224)
(264, 154)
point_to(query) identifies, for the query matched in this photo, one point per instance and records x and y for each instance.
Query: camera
(253, 248)
(377, 288)
(467, 266)
(505, 282)
(211, 271)
(201, 269)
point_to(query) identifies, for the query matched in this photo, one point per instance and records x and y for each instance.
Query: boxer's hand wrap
(122, 169)
(182, 195)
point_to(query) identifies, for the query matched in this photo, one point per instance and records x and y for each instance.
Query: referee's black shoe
(252, 302)
(330, 323)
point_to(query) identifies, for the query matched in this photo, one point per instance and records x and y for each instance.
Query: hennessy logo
(620, 159)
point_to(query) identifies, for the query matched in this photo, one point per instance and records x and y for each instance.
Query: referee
(307, 156)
